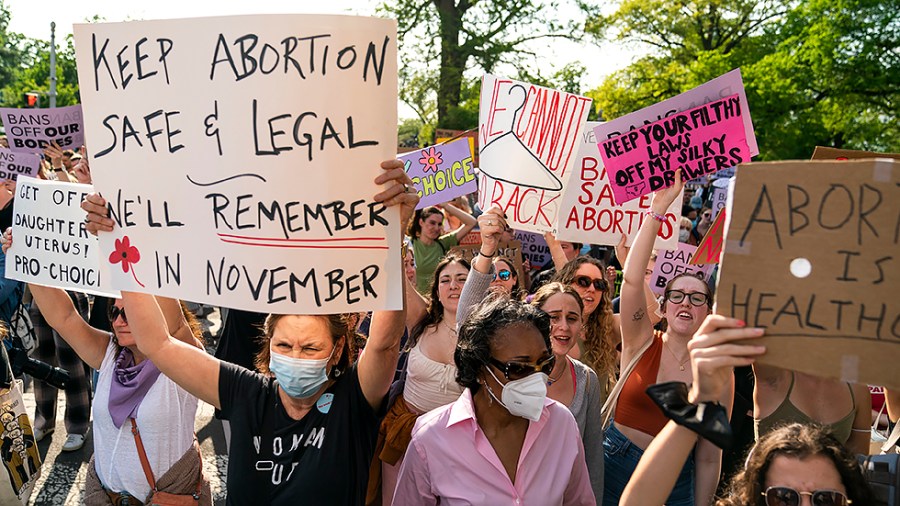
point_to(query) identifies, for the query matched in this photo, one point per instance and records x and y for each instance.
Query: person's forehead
(587, 269)
(522, 340)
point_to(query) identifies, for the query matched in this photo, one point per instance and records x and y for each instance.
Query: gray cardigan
(587, 401)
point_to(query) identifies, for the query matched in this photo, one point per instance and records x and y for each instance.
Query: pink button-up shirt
(451, 460)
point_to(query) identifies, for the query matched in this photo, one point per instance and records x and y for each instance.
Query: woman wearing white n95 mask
(503, 441)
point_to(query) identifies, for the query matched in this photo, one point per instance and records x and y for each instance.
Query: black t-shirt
(322, 458)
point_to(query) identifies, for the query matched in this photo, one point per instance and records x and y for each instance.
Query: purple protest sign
(441, 173)
(15, 165)
(670, 263)
(697, 141)
(31, 130)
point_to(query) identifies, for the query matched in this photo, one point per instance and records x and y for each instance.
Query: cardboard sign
(238, 156)
(710, 248)
(723, 86)
(671, 263)
(14, 165)
(534, 248)
(511, 250)
(441, 173)
(20, 457)
(590, 214)
(825, 153)
(527, 140)
(50, 245)
(697, 142)
(811, 255)
(31, 130)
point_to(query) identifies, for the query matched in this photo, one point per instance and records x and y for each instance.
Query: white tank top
(165, 419)
(429, 384)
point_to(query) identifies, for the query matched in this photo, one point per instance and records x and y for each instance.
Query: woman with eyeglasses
(658, 357)
(428, 382)
(793, 465)
(503, 441)
(131, 388)
(505, 276)
(570, 382)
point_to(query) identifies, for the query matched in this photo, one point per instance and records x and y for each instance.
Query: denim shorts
(621, 458)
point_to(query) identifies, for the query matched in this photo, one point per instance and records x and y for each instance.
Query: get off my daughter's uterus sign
(528, 140)
(238, 157)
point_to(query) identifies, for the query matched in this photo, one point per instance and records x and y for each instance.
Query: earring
(336, 373)
(490, 397)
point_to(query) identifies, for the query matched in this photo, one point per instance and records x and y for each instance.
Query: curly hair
(599, 333)
(421, 214)
(338, 327)
(434, 313)
(798, 441)
(477, 333)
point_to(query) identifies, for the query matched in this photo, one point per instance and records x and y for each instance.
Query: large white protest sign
(50, 244)
(527, 140)
(589, 212)
(31, 130)
(238, 156)
(723, 86)
(14, 165)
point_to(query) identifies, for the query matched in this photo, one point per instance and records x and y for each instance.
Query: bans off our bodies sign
(238, 156)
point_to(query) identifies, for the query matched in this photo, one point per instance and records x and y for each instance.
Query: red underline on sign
(304, 246)
(281, 239)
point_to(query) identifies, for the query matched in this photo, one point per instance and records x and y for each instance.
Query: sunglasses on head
(696, 298)
(786, 496)
(585, 282)
(503, 275)
(114, 312)
(517, 370)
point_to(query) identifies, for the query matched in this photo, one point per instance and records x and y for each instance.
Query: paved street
(63, 474)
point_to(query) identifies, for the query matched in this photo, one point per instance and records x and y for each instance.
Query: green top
(787, 413)
(427, 258)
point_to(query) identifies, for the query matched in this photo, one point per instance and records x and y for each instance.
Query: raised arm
(378, 361)
(635, 323)
(468, 221)
(716, 350)
(556, 251)
(190, 367)
(492, 224)
(861, 432)
(57, 308)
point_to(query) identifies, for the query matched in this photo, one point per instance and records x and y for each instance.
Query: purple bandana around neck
(130, 383)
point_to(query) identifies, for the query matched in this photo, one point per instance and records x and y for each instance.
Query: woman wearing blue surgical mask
(305, 429)
(503, 441)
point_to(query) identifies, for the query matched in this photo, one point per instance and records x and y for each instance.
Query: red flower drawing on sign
(127, 254)
(430, 160)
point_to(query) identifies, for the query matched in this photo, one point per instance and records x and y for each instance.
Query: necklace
(565, 366)
(681, 365)
(451, 330)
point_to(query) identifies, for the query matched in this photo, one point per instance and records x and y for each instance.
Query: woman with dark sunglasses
(569, 382)
(793, 465)
(658, 357)
(503, 441)
(130, 387)
(505, 276)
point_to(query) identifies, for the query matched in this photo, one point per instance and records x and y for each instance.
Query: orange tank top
(634, 408)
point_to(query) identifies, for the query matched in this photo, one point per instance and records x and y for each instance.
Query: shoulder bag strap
(143, 455)
(892, 439)
(609, 407)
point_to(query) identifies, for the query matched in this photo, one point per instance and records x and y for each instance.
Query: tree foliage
(443, 39)
(817, 72)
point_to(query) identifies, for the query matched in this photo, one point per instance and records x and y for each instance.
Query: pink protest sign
(672, 263)
(31, 130)
(697, 141)
(15, 165)
(725, 85)
(441, 173)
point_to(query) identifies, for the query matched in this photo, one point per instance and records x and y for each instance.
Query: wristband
(658, 217)
(708, 419)
(486, 256)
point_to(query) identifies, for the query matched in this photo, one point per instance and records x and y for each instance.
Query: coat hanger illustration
(507, 159)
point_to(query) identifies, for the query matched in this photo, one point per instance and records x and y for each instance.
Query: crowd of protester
(550, 385)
